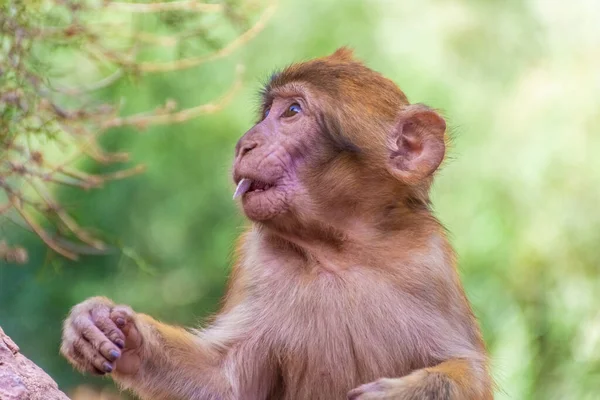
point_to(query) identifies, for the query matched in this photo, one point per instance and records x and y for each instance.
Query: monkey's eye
(267, 112)
(292, 110)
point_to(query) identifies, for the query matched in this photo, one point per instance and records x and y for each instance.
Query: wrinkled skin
(274, 152)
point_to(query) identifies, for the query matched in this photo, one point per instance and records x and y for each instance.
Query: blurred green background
(519, 83)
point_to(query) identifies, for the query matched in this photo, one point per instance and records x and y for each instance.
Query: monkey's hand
(383, 389)
(100, 337)
(459, 378)
(419, 385)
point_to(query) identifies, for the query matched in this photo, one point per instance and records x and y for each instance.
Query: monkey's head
(335, 139)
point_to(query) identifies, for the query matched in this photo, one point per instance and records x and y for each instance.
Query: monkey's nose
(245, 148)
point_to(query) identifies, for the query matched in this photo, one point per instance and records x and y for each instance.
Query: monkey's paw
(101, 337)
(382, 389)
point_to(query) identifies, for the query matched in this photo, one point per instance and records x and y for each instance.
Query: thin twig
(182, 5)
(125, 173)
(161, 39)
(179, 116)
(40, 231)
(101, 84)
(93, 150)
(90, 179)
(66, 219)
(190, 62)
(64, 243)
(89, 146)
(9, 191)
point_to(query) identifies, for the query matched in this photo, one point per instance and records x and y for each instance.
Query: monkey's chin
(264, 205)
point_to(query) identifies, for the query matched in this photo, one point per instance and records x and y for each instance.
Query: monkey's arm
(455, 379)
(155, 360)
(173, 364)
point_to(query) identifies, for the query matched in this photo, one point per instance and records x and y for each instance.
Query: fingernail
(107, 367)
(114, 354)
(120, 322)
(120, 344)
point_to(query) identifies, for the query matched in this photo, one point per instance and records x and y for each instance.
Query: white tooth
(242, 187)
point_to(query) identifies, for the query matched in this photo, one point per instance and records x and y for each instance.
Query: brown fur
(354, 292)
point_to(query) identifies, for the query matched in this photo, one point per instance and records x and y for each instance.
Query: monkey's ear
(416, 144)
(343, 54)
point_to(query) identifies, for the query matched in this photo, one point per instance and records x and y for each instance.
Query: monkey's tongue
(242, 188)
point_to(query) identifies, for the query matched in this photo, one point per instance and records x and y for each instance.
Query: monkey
(344, 285)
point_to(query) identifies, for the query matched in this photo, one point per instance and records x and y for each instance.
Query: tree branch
(20, 378)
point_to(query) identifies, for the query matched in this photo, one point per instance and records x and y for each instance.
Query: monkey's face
(335, 138)
(270, 157)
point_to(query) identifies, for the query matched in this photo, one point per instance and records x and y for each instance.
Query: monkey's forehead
(317, 73)
(289, 90)
(332, 78)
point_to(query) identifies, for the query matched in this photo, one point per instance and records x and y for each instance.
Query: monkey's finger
(370, 396)
(77, 358)
(91, 355)
(97, 339)
(366, 391)
(101, 317)
(123, 317)
(354, 394)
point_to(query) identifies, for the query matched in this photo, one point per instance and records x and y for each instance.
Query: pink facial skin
(269, 156)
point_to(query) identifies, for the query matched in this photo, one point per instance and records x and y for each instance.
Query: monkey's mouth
(246, 185)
